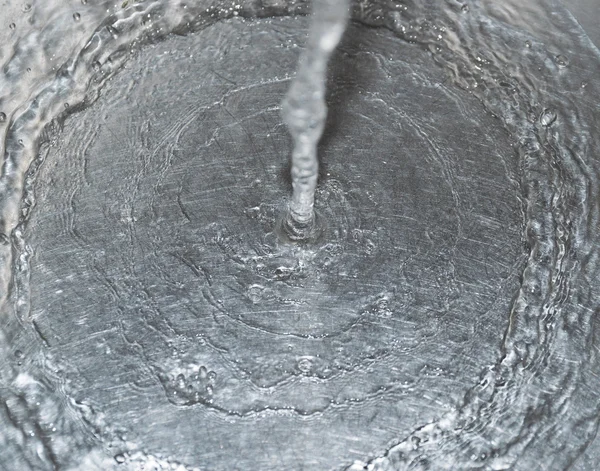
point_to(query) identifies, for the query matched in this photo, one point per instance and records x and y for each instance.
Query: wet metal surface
(152, 319)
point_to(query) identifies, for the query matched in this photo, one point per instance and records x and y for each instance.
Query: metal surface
(447, 319)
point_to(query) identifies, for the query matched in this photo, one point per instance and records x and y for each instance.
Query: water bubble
(305, 365)
(283, 272)
(66, 106)
(211, 376)
(12, 26)
(547, 117)
(528, 44)
(253, 212)
(26, 8)
(465, 7)
(382, 309)
(256, 293)
(561, 60)
(2, 117)
(76, 16)
(416, 441)
(118, 458)
(180, 381)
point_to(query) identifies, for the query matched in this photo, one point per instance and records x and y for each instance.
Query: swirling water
(151, 321)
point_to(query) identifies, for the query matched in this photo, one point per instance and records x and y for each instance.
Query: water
(152, 320)
(304, 111)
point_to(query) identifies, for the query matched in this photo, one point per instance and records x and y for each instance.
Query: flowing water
(151, 319)
(304, 111)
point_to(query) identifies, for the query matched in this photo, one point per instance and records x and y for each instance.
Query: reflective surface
(151, 319)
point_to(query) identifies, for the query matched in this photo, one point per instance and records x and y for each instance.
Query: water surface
(152, 320)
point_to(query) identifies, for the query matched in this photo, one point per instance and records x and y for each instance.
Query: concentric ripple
(445, 320)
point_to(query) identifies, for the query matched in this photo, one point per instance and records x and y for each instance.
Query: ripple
(140, 233)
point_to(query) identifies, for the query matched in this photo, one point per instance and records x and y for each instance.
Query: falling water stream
(151, 317)
(305, 110)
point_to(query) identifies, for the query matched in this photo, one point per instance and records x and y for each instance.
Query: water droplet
(96, 65)
(547, 117)
(180, 381)
(2, 117)
(211, 376)
(84, 2)
(118, 458)
(465, 7)
(305, 365)
(256, 293)
(26, 7)
(112, 30)
(66, 105)
(253, 212)
(528, 43)
(76, 16)
(12, 26)
(18, 354)
(561, 60)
